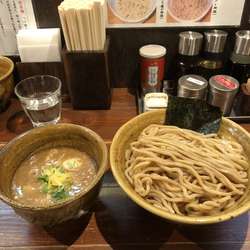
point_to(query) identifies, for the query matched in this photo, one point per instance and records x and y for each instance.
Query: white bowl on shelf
(202, 15)
(151, 9)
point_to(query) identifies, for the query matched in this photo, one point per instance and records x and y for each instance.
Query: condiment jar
(242, 103)
(152, 67)
(240, 58)
(154, 101)
(190, 43)
(222, 92)
(213, 62)
(192, 86)
(188, 58)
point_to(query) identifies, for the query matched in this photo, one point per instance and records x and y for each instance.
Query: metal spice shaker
(188, 58)
(213, 56)
(222, 92)
(215, 41)
(240, 58)
(242, 102)
(192, 86)
(190, 43)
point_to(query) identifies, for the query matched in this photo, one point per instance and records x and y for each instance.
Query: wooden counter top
(115, 222)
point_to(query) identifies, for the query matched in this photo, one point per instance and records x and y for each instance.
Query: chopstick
(83, 24)
(65, 28)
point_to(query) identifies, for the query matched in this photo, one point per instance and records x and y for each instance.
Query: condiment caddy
(206, 74)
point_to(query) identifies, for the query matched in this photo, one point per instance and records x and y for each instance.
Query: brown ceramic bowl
(130, 132)
(6, 81)
(43, 138)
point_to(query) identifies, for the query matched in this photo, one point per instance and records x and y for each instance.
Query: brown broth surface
(26, 186)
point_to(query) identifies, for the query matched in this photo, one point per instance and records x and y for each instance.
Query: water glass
(40, 97)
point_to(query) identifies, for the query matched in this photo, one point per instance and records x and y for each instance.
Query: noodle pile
(186, 173)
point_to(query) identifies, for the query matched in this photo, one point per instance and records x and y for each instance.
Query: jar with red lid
(222, 92)
(152, 67)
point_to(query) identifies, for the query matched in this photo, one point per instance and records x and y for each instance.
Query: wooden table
(116, 222)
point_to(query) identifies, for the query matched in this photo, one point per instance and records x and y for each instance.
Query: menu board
(14, 15)
(174, 13)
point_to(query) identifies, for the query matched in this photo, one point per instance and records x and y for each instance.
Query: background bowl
(130, 132)
(191, 20)
(112, 5)
(37, 139)
(6, 81)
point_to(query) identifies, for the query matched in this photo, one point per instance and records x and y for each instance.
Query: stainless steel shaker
(192, 86)
(240, 58)
(222, 92)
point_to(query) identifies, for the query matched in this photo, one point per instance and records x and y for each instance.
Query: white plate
(192, 20)
(151, 9)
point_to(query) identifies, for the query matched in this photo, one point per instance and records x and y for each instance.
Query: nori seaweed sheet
(193, 114)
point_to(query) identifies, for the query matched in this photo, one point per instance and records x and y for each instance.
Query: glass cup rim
(38, 76)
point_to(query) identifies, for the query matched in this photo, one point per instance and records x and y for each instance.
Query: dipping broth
(53, 175)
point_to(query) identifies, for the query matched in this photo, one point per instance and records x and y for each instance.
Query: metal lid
(192, 86)
(223, 83)
(190, 43)
(215, 41)
(152, 51)
(155, 101)
(192, 82)
(242, 43)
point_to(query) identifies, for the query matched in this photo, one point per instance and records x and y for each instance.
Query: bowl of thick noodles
(51, 174)
(181, 175)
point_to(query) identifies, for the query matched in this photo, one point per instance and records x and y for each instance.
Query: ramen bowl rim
(197, 220)
(100, 172)
(10, 70)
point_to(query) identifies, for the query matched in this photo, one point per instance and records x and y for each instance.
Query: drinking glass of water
(40, 97)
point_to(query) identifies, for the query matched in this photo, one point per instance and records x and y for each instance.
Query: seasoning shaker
(222, 92)
(152, 67)
(188, 58)
(213, 61)
(190, 43)
(192, 86)
(240, 58)
(242, 103)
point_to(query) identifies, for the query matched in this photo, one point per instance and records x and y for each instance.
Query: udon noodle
(186, 173)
